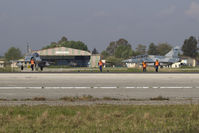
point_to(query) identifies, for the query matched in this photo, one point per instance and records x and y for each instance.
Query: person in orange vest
(100, 64)
(156, 65)
(144, 65)
(32, 62)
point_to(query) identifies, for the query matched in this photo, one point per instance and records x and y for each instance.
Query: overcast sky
(96, 22)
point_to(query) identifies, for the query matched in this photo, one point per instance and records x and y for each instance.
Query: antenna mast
(28, 48)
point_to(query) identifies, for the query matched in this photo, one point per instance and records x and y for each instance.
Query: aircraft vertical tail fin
(174, 52)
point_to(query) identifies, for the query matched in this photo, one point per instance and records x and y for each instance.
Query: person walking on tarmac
(100, 64)
(32, 62)
(156, 65)
(144, 65)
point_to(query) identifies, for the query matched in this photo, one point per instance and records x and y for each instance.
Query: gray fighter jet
(168, 59)
(38, 61)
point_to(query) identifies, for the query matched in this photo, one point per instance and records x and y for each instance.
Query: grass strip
(100, 118)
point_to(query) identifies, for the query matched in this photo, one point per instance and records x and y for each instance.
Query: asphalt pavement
(115, 85)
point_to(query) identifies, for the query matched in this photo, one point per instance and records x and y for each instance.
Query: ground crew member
(144, 65)
(100, 64)
(22, 67)
(156, 65)
(32, 64)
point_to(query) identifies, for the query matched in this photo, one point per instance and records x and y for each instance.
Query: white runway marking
(155, 87)
(129, 87)
(67, 88)
(176, 87)
(143, 87)
(107, 87)
(21, 87)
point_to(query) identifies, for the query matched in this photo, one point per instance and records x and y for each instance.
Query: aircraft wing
(27, 58)
(139, 60)
(152, 59)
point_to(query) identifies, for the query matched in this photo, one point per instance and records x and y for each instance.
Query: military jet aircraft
(170, 58)
(38, 61)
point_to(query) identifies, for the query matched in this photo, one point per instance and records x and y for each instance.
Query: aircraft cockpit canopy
(35, 55)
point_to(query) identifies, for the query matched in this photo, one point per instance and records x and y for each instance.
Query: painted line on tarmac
(132, 87)
(114, 87)
(47, 88)
(176, 87)
(75, 87)
(103, 87)
(155, 87)
(66, 88)
(21, 87)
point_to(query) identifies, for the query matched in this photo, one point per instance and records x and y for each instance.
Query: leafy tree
(114, 61)
(104, 54)
(123, 51)
(13, 54)
(63, 39)
(189, 47)
(53, 44)
(163, 48)
(113, 45)
(69, 44)
(122, 42)
(111, 48)
(141, 49)
(95, 51)
(152, 49)
(118, 49)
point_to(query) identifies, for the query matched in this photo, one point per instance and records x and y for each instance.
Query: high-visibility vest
(32, 62)
(144, 65)
(156, 63)
(100, 63)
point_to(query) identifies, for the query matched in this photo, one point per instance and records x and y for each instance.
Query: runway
(122, 86)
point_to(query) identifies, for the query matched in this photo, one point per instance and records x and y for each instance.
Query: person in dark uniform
(100, 64)
(32, 62)
(144, 65)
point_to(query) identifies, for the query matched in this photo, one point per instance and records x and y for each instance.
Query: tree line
(64, 42)
(117, 51)
(122, 49)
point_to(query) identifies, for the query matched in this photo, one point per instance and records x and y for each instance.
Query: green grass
(159, 98)
(82, 98)
(88, 98)
(8, 69)
(106, 70)
(126, 70)
(100, 119)
(61, 66)
(109, 69)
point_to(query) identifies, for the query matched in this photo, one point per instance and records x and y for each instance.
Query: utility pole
(28, 47)
(29, 50)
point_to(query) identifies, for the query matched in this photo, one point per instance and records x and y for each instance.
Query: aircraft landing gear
(41, 68)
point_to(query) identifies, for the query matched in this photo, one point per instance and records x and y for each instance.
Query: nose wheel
(41, 68)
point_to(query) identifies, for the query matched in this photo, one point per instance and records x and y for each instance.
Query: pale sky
(96, 22)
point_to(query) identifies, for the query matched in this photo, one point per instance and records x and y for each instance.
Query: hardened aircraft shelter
(62, 56)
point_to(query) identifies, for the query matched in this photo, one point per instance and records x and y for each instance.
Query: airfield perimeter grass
(106, 70)
(100, 119)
